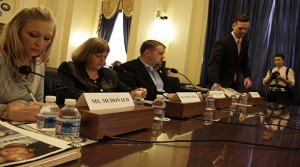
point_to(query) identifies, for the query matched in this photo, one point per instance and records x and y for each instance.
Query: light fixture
(160, 15)
(162, 30)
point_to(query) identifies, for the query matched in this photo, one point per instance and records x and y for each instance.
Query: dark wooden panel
(111, 122)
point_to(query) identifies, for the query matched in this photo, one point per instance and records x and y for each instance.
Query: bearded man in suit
(148, 71)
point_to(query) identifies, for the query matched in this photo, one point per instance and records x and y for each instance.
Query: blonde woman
(26, 40)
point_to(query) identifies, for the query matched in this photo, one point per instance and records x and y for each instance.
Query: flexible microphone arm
(173, 70)
(27, 70)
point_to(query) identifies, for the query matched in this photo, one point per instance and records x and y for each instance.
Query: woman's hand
(19, 111)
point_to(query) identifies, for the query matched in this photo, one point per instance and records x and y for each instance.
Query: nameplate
(254, 94)
(217, 94)
(186, 97)
(98, 101)
(229, 92)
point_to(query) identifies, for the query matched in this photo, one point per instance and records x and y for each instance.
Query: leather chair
(175, 83)
(50, 86)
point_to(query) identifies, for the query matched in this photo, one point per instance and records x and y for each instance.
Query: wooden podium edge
(96, 124)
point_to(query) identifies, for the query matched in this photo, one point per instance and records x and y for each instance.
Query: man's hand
(143, 90)
(247, 83)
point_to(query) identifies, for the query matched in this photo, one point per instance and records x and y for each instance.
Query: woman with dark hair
(87, 72)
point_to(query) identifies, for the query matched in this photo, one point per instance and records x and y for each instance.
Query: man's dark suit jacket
(143, 78)
(224, 61)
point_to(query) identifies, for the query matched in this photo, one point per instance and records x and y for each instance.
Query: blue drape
(126, 30)
(107, 27)
(273, 29)
(285, 39)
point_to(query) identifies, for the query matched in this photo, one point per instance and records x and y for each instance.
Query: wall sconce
(161, 16)
(162, 30)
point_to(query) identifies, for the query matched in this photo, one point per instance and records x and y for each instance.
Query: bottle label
(46, 120)
(67, 126)
(243, 100)
(210, 104)
(138, 102)
(159, 110)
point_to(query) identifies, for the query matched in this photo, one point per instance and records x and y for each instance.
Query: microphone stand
(176, 72)
(56, 81)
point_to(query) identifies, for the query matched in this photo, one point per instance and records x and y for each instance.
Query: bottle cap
(159, 96)
(70, 102)
(50, 99)
(138, 92)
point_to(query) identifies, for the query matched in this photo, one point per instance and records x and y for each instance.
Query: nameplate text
(97, 101)
(186, 97)
(217, 94)
(254, 94)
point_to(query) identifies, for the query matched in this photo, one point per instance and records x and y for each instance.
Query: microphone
(27, 70)
(173, 70)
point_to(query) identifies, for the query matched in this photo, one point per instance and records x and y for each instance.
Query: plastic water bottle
(210, 102)
(210, 106)
(200, 96)
(159, 108)
(233, 102)
(215, 87)
(157, 128)
(138, 100)
(68, 121)
(243, 102)
(46, 118)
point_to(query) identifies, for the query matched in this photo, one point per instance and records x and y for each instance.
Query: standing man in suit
(148, 71)
(229, 57)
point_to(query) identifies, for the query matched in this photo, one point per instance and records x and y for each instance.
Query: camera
(275, 74)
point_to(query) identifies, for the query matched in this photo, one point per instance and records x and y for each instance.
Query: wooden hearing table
(233, 139)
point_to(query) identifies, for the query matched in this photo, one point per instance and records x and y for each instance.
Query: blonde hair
(89, 47)
(10, 44)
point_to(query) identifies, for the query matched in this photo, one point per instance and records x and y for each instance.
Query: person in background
(279, 78)
(26, 40)
(283, 77)
(229, 57)
(115, 64)
(148, 71)
(87, 72)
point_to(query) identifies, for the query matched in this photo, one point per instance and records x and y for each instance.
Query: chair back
(50, 86)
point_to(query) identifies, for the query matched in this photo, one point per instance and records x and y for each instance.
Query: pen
(30, 93)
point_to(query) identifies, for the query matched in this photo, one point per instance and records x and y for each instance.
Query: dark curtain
(126, 30)
(107, 27)
(218, 24)
(273, 29)
(284, 38)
